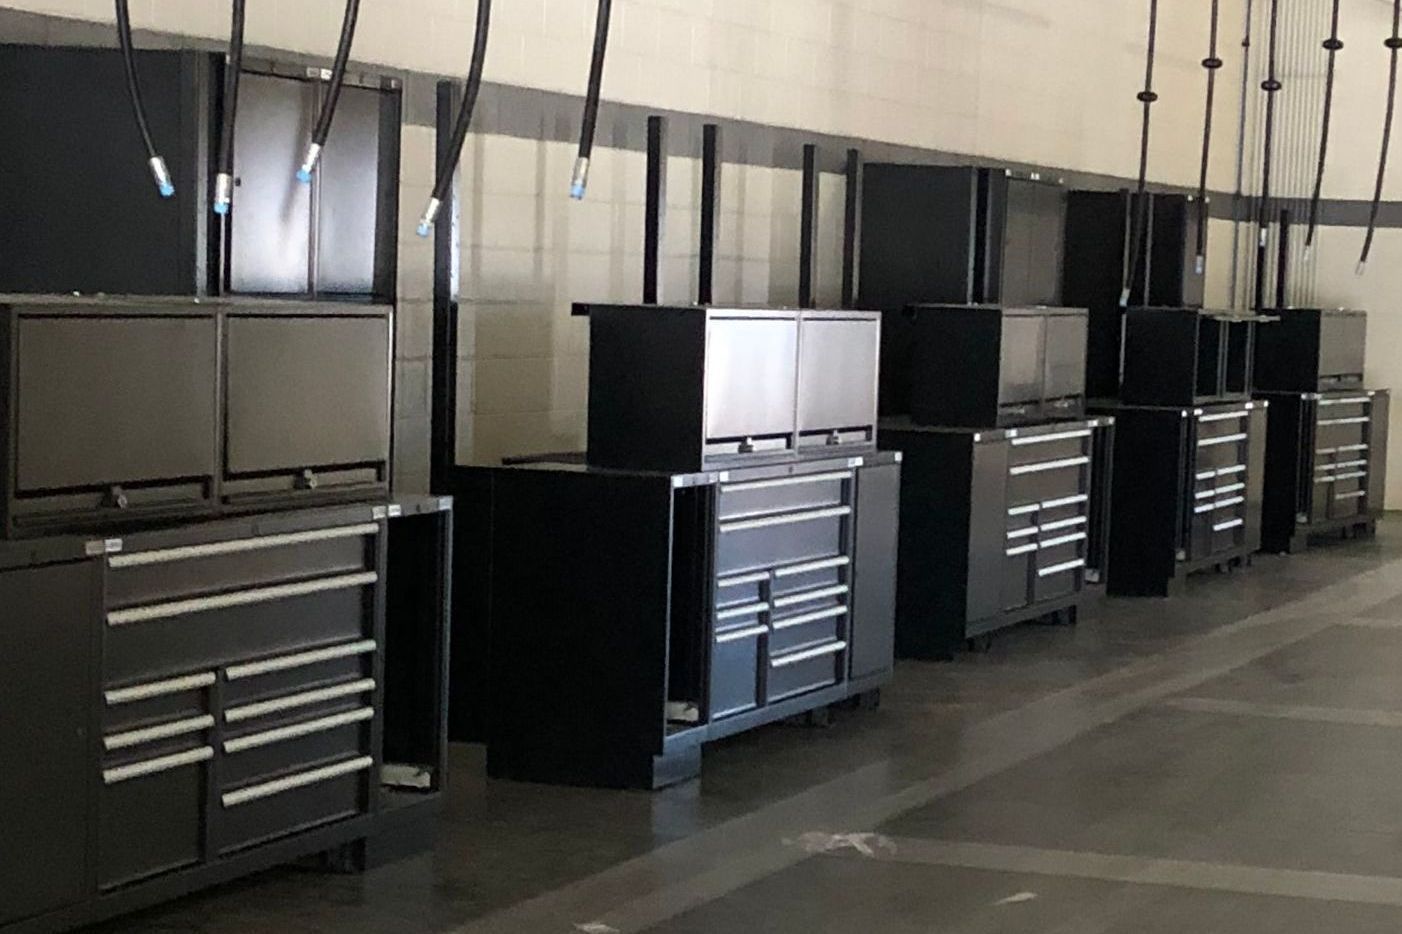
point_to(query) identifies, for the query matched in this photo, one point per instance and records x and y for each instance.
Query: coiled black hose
(1139, 213)
(1333, 44)
(1272, 87)
(153, 159)
(224, 180)
(580, 179)
(1393, 43)
(333, 93)
(464, 119)
(1213, 64)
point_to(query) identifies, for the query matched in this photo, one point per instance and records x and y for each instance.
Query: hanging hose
(1271, 86)
(333, 93)
(580, 179)
(1213, 64)
(1139, 210)
(138, 109)
(224, 180)
(1393, 43)
(1239, 194)
(449, 164)
(1333, 44)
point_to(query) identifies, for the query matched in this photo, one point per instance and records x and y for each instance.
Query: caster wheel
(869, 700)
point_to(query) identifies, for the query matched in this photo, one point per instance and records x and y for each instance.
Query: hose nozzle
(309, 161)
(162, 176)
(430, 214)
(1124, 298)
(580, 179)
(1308, 253)
(1200, 266)
(1361, 268)
(223, 192)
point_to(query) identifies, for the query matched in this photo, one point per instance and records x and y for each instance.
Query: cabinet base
(1300, 539)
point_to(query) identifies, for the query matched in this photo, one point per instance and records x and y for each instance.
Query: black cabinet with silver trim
(1188, 356)
(997, 527)
(1312, 350)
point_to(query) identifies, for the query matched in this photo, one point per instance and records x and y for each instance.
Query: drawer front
(150, 815)
(1050, 480)
(266, 810)
(790, 538)
(128, 707)
(1019, 570)
(809, 669)
(1050, 446)
(279, 746)
(776, 495)
(1343, 457)
(735, 671)
(260, 679)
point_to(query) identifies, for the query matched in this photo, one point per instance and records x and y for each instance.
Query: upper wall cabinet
(81, 213)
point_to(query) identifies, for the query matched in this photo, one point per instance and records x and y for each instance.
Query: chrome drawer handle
(122, 773)
(747, 609)
(1229, 471)
(778, 482)
(1024, 510)
(1023, 469)
(1064, 523)
(1065, 501)
(1219, 504)
(1229, 524)
(793, 599)
(813, 617)
(1023, 533)
(811, 515)
(300, 660)
(806, 567)
(807, 655)
(1225, 416)
(293, 782)
(1205, 475)
(1360, 400)
(1060, 568)
(1355, 475)
(142, 614)
(150, 734)
(1021, 550)
(1048, 439)
(1357, 420)
(140, 692)
(1219, 491)
(293, 701)
(1063, 540)
(741, 580)
(295, 730)
(748, 632)
(193, 552)
(1348, 448)
(1225, 439)
(1356, 494)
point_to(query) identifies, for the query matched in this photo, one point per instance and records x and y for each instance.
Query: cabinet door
(46, 697)
(873, 634)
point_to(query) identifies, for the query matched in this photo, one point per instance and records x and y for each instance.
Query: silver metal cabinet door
(751, 377)
(347, 193)
(837, 373)
(1021, 361)
(1066, 356)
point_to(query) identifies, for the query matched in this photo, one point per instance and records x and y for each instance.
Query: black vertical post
(851, 228)
(443, 437)
(1282, 261)
(654, 217)
(808, 230)
(710, 211)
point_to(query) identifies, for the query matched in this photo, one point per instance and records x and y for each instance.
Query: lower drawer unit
(997, 527)
(1326, 464)
(734, 598)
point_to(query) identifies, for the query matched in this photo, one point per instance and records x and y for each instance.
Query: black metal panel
(1151, 459)
(710, 211)
(1187, 356)
(808, 230)
(851, 227)
(45, 691)
(443, 454)
(655, 209)
(1312, 350)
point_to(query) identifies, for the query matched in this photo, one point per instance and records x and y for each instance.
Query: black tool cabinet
(635, 615)
(1187, 492)
(146, 409)
(1188, 356)
(206, 701)
(998, 526)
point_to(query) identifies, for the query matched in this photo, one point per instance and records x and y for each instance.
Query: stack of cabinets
(997, 527)
(1187, 492)
(1327, 460)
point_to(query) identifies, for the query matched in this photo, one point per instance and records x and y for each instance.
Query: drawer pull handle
(1024, 510)
(1065, 501)
(1229, 524)
(1063, 540)
(1205, 475)
(1048, 439)
(1062, 567)
(295, 730)
(1024, 469)
(1218, 504)
(1358, 400)
(1023, 533)
(1225, 439)
(741, 580)
(813, 617)
(293, 701)
(1021, 550)
(1225, 416)
(1349, 448)
(808, 566)
(807, 655)
(778, 482)
(152, 733)
(749, 632)
(122, 773)
(141, 614)
(747, 609)
(1343, 465)
(1229, 471)
(836, 590)
(240, 546)
(140, 692)
(293, 782)
(811, 515)
(1355, 475)
(1064, 523)
(1357, 420)
(300, 660)
(1219, 491)
(1356, 494)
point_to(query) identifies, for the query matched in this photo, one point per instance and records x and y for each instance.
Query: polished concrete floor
(1226, 761)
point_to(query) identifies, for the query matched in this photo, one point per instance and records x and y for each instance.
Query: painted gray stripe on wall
(535, 114)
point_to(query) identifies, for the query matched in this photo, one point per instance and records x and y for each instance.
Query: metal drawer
(297, 801)
(132, 706)
(149, 816)
(1051, 446)
(735, 671)
(814, 623)
(1019, 567)
(808, 669)
(784, 494)
(307, 740)
(1047, 480)
(787, 538)
(258, 679)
